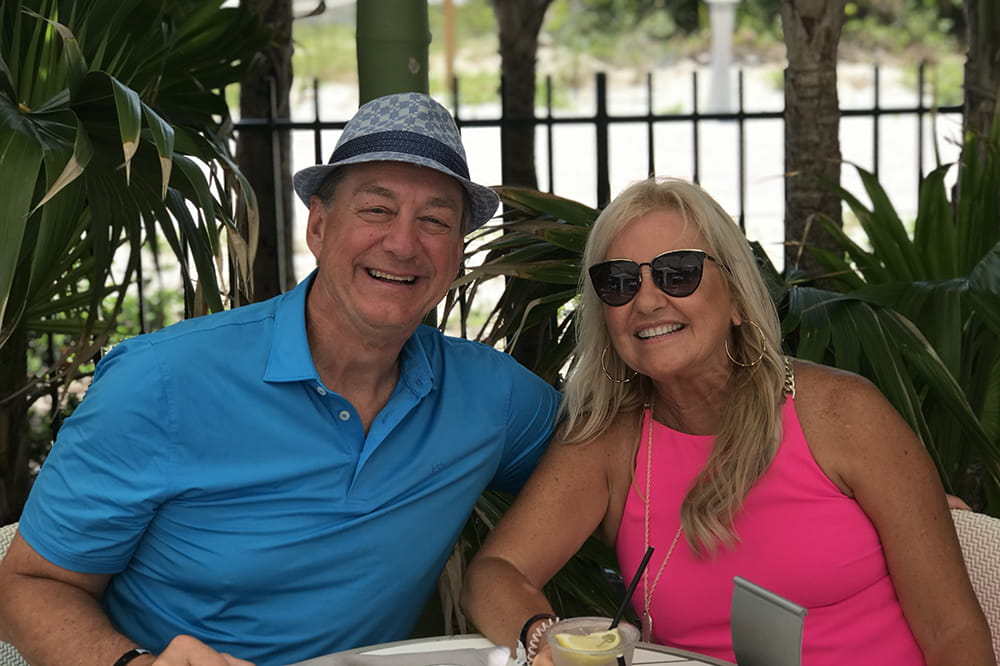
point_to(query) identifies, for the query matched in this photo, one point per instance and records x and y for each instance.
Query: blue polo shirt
(236, 498)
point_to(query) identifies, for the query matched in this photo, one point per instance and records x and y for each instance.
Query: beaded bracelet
(531, 642)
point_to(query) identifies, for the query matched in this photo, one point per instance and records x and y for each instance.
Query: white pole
(722, 18)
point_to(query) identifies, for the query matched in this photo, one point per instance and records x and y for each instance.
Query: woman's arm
(564, 502)
(866, 448)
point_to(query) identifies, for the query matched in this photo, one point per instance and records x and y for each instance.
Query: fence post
(695, 177)
(877, 112)
(920, 124)
(601, 127)
(650, 134)
(742, 148)
(550, 169)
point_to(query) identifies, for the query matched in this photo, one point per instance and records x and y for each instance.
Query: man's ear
(315, 225)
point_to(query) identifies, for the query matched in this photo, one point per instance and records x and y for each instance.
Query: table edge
(651, 647)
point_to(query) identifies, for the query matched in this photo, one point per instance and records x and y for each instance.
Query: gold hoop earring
(763, 346)
(604, 367)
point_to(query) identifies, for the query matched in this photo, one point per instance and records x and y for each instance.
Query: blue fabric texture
(234, 497)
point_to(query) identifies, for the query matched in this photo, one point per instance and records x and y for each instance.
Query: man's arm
(532, 407)
(53, 616)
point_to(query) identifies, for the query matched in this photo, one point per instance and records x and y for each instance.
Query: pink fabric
(800, 537)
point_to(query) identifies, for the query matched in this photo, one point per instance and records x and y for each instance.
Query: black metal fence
(695, 123)
(323, 133)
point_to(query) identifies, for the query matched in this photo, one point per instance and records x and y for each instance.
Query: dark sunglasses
(677, 273)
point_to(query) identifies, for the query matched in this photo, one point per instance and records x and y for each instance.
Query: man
(285, 479)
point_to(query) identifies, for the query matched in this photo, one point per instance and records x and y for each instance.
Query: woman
(687, 430)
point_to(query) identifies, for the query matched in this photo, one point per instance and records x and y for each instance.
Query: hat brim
(483, 201)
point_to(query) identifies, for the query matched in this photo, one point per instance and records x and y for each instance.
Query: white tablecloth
(475, 650)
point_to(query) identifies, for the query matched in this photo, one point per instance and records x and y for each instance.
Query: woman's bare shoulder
(833, 408)
(620, 449)
(621, 429)
(826, 388)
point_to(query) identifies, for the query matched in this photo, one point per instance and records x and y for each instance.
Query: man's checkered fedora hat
(404, 127)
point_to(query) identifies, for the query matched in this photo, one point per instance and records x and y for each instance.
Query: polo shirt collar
(290, 360)
(415, 367)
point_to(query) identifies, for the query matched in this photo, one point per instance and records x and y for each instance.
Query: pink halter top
(800, 537)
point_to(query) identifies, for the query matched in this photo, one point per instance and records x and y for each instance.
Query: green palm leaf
(920, 315)
(17, 146)
(110, 138)
(934, 239)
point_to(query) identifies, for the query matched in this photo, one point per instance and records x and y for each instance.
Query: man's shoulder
(224, 333)
(457, 350)
(226, 323)
(463, 367)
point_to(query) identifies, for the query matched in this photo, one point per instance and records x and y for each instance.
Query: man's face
(388, 245)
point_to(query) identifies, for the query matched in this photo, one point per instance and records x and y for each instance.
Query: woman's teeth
(657, 331)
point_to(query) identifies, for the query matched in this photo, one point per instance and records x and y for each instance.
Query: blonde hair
(751, 427)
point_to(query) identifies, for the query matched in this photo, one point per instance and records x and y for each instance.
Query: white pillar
(721, 18)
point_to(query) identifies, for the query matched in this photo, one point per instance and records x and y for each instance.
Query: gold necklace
(647, 618)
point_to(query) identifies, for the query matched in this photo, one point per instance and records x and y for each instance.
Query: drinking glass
(582, 626)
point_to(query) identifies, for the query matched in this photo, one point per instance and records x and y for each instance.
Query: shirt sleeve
(106, 473)
(531, 418)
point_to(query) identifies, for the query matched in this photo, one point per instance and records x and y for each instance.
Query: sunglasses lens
(678, 273)
(616, 282)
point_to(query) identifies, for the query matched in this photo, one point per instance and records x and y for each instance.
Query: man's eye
(438, 224)
(375, 213)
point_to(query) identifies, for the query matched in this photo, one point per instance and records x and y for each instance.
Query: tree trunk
(14, 476)
(812, 125)
(519, 23)
(264, 157)
(392, 55)
(982, 66)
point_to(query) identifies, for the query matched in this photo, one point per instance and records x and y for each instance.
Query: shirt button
(320, 390)
(344, 415)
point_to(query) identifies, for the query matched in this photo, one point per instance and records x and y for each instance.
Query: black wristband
(130, 655)
(527, 625)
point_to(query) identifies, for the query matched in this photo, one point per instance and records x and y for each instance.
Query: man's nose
(401, 236)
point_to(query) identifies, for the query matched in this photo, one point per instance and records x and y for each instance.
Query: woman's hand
(189, 651)
(957, 503)
(544, 656)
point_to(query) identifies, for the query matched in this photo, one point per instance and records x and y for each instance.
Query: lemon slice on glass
(595, 642)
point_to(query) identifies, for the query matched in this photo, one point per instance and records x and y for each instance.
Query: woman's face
(661, 336)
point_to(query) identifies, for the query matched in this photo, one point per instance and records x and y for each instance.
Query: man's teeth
(381, 275)
(659, 330)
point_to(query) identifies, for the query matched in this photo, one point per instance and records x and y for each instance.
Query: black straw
(631, 588)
